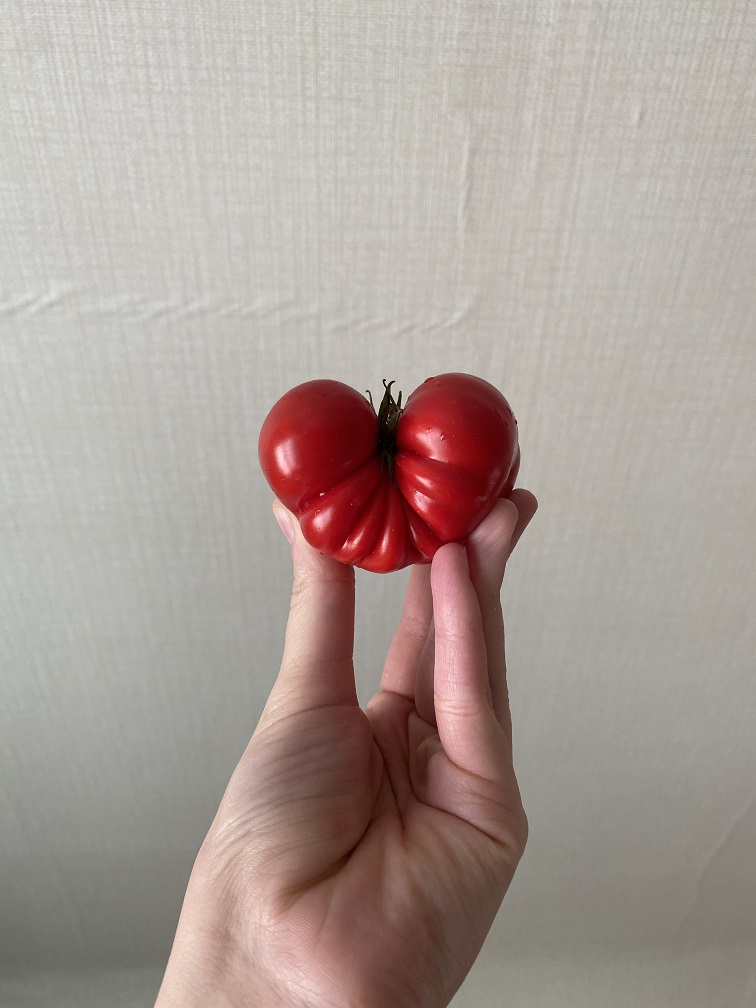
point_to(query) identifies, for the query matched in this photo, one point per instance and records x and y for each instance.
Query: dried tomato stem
(388, 416)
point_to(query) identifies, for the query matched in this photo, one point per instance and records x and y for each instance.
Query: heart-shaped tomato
(384, 491)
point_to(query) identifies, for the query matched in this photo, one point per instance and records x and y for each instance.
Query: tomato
(387, 490)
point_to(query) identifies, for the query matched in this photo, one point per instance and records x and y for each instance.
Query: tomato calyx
(388, 416)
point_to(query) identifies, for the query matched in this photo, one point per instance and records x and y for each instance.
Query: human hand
(359, 857)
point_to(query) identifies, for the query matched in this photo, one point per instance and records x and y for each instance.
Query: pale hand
(359, 857)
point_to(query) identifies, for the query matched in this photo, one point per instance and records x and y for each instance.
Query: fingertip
(525, 501)
(447, 558)
(307, 560)
(310, 563)
(285, 519)
(490, 543)
(527, 505)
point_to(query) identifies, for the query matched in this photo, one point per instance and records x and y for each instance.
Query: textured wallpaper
(204, 204)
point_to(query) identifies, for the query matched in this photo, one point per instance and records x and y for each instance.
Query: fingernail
(284, 520)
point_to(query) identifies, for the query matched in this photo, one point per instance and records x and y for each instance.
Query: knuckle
(317, 583)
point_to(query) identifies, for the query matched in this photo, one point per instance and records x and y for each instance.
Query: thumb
(317, 668)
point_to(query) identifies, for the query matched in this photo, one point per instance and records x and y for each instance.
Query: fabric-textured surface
(204, 204)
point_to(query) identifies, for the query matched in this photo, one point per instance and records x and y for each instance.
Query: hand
(359, 857)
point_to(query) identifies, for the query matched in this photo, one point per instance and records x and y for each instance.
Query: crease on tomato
(432, 479)
(357, 472)
(366, 529)
(323, 520)
(389, 551)
(424, 539)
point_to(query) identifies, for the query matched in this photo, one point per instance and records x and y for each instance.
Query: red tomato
(381, 492)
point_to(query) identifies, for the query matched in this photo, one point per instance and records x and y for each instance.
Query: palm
(373, 850)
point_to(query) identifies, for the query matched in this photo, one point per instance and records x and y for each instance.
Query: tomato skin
(456, 451)
(316, 435)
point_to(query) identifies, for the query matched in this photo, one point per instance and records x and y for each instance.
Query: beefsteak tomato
(387, 490)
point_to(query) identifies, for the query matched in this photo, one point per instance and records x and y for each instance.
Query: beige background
(206, 203)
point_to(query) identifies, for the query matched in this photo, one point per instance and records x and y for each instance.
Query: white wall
(205, 204)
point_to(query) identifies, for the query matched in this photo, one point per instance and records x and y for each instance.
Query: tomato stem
(388, 416)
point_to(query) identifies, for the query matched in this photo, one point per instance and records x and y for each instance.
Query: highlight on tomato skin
(383, 490)
(314, 437)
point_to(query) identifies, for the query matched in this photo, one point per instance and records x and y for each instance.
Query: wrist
(201, 972)
(212, 958)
